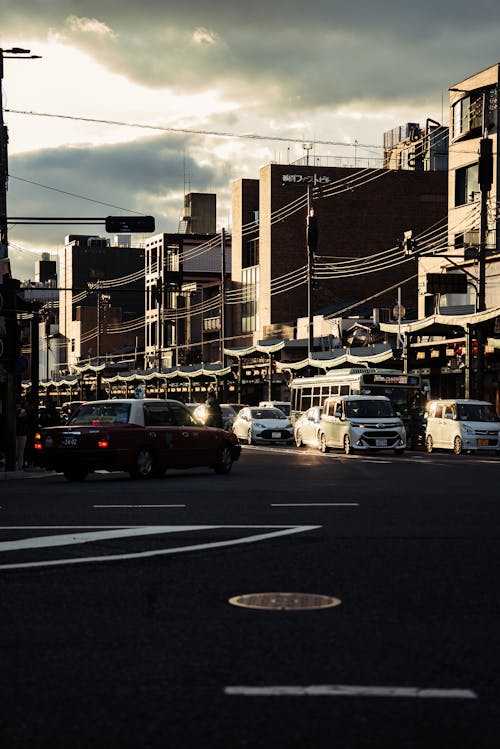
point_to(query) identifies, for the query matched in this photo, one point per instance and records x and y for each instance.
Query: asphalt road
(117, 628)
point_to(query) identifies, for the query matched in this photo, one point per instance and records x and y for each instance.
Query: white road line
(134, 506)
(87, 537)
(317, 504)
(342, 690)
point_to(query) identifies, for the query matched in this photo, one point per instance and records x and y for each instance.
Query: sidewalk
(26, 473)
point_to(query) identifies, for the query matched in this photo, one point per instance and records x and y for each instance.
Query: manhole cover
(284, 601)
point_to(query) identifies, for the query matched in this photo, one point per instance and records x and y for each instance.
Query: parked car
(361, 422)
(307, 427)
(462, 425)
(282, 405)
(263, 426)
(143, 437)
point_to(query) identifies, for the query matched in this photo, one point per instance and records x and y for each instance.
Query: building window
(250, 253)
(249, 315)
(466, 184)
(467, 115)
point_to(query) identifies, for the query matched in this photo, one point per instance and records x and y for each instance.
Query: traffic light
(312, 233)
(10, 332)
(130, 224)
(485, 164)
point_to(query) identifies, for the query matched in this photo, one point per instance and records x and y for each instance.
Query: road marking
(317, 504)
(134, 506)
(343, 690)
(77, 538)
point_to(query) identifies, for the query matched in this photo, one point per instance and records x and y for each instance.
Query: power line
(191, 131)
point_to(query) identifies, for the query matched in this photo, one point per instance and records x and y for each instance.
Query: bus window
(344, 390)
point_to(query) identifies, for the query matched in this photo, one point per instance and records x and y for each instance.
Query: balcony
(211, 324)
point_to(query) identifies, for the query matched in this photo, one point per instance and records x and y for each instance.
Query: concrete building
(184, 317)
(90, 304)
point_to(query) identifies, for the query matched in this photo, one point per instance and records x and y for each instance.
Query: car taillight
(103, 443)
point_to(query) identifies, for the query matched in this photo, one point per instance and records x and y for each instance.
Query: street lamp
(8, 54)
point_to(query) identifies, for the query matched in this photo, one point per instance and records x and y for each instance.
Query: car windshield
(262, 414)
(101, 413)
(368, 409)
(476, 412)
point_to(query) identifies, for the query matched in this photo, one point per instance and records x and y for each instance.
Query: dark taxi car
(142, 437)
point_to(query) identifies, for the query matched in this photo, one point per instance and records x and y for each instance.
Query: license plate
(68, 441)
(380, 443)
(275, 435)
(483, 442)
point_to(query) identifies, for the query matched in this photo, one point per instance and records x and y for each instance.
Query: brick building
(359, 213)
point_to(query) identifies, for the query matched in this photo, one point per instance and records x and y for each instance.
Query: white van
(282, 405)
(462, 425)
(361, 422)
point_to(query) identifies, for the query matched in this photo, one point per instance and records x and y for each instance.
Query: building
(101, 299)
(359, 213)
(456, 339)
(185, 319)
(414, 148)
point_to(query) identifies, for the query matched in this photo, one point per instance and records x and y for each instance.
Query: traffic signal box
(10, 333)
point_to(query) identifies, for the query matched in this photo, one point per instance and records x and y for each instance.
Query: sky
(191, 80)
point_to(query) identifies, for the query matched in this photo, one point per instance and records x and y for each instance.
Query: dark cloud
(283, 55)
(147, 176)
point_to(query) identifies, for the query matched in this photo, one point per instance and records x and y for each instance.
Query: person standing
(214, 411)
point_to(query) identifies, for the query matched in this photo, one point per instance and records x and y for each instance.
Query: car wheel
(144, 465)
(322, 443)
(428, 444)
(224, 459)
(298, 439)
(249, 437)
(75, 473)
(347, 445)
(458, 445)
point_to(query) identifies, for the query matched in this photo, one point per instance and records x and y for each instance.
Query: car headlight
(256, 425)
(467, 430)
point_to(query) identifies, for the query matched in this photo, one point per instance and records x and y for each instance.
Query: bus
(405, 391)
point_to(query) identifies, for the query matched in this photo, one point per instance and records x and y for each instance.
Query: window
(157, 415)
(249, 314)
(466, 184)
(250, 254)
(467, 114)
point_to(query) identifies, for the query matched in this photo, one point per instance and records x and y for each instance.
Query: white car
(462, 425)
(263, 426)
(307, 427)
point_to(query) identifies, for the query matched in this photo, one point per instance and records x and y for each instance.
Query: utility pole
(7, 374)
(485, 182)
(223, 298)
(312, 246)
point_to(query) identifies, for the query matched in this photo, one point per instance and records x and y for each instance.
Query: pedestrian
(214, 411)
(21, 435)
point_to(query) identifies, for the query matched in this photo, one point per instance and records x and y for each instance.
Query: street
(117, 627)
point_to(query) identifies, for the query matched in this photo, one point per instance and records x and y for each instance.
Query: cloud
(89, 26)
(284, 55)
(145, 176)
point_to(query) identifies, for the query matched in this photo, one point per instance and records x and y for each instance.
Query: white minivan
(462, 425)
(360, 422)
